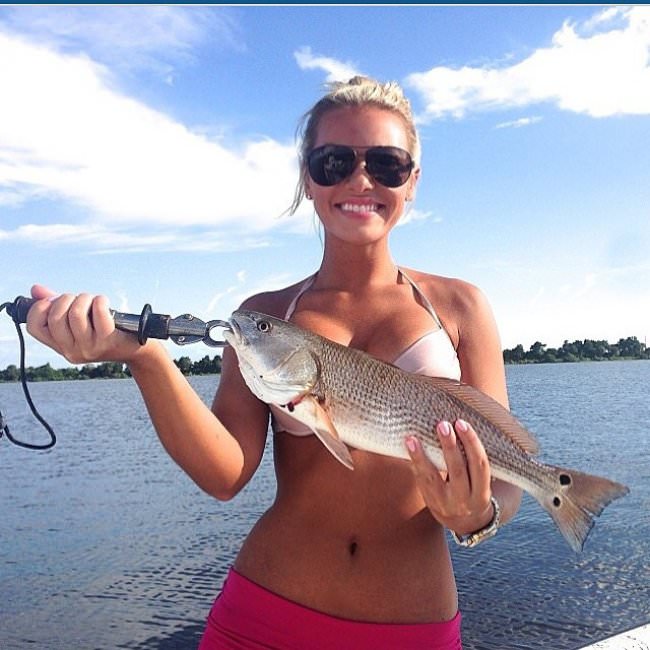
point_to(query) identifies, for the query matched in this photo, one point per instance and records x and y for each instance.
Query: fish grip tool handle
(147, 325)
(182, 330)
(19, 308)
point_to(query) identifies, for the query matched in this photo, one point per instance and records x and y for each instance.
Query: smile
(363, 207)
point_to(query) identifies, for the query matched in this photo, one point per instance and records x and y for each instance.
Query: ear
(308, 189)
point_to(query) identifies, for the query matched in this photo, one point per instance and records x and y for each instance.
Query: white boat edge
(637, 638)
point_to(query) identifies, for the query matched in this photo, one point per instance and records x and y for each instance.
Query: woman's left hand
(461, 501)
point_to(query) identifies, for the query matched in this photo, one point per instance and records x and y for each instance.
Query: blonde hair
(358, 91)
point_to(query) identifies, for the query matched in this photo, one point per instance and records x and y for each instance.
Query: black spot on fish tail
(581, 497)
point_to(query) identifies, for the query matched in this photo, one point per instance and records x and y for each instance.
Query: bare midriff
(359, 544)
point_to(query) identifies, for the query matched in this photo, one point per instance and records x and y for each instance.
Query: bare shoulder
(468, 318)
(274, 303)
(456, 300)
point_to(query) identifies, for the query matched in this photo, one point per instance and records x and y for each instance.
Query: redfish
(347, 397)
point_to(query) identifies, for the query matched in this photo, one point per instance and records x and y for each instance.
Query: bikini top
(433, 355)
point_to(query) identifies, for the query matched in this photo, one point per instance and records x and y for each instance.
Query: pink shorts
(246, 616)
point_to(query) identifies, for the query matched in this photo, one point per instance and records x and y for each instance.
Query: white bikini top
(433, 355)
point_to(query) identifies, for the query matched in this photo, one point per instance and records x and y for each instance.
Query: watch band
(471, 540)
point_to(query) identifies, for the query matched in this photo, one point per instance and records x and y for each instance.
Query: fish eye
(264, 326)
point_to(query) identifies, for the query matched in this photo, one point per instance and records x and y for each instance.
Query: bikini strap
(425, 301)
(303, 287)
(311, 279)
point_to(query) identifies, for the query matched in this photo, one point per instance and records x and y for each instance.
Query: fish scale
(381, 400)
(347, 397)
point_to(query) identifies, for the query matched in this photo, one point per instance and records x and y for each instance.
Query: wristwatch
(471, 540)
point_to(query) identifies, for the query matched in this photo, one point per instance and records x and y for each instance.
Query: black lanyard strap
(4, 427)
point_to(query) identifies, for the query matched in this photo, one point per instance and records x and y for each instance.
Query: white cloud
(66, 134)
(104, 240)
(230, 298)
(600, 68)
(127, 37)
(517, 124)
(413, 214)
(336, 70)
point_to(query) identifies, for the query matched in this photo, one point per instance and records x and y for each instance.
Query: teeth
(355, 207)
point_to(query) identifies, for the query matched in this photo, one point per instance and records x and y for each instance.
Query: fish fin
(319, 421)
(488, 408)
(577, 499)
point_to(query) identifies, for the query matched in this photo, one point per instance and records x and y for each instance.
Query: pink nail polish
(412, 444)
(445, 428)
(462, 426)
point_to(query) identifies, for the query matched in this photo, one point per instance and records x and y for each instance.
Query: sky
(148, 153)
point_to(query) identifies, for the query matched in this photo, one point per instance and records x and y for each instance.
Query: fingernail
(53, 298)
(412, 444)
(444, 428)
(462, 426)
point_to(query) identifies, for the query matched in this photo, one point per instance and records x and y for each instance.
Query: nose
(360, 179)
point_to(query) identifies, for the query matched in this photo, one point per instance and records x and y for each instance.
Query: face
(359, 209)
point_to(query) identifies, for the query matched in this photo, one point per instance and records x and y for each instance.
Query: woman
(342, 559)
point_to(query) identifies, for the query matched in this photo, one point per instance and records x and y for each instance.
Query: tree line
(106, 370)
(586, 350)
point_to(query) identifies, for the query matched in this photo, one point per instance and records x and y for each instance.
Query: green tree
(515, 355)
(184, 364)
(630, 347)
(41, 373)
(536, 352)
(571, 351)
(11, 373)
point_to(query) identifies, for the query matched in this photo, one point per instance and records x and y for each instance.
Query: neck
(356, 267)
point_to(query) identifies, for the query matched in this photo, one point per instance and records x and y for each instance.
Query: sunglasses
(333, 163)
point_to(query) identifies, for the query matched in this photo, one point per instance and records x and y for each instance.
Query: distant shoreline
(630, 349)
(106, 370)
(532, 363)
(586, 350)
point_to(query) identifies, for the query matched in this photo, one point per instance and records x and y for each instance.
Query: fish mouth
(234, 332)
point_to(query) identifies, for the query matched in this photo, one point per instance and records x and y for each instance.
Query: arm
(220, 448)
(481, 361)
(462, 503)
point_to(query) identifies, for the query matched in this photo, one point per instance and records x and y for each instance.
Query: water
(527, 589)
(105, 543)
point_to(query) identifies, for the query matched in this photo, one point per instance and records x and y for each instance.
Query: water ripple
(105, 543)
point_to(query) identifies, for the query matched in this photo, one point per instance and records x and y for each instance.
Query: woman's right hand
(79, 327)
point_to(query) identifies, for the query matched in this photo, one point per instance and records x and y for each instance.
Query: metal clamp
(182, 330)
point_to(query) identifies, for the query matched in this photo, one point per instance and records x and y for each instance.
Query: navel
(353, 547)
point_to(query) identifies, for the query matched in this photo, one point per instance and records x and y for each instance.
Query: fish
(349, 398)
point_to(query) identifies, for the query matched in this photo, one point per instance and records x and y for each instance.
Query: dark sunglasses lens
(389, 166)
(329, 165)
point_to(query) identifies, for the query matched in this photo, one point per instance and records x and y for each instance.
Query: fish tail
(576, 499)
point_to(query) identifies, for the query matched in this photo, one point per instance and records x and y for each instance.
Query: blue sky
(148, 153)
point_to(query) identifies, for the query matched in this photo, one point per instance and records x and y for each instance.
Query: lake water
(105, 543)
